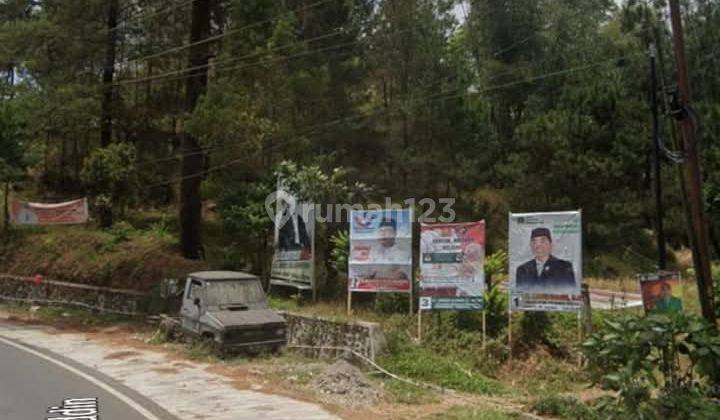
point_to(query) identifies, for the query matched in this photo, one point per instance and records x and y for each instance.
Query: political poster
(293, 260)
(545, 259)
(380, 251)
(451, 266)
(661, 292)
(66, 213)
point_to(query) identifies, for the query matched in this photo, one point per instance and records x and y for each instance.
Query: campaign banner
(452, 256)
(661, 292)
(293, 260)
(380, 251)
(545, 258)
(67, 213)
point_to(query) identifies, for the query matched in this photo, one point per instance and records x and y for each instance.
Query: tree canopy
(503, 104)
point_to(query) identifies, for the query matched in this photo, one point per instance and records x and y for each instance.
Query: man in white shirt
(387, 249)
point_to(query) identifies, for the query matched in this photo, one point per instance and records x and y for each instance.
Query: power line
(148, 15)
(433, 97)
(429, 98)
(213, 64)
(259, 62)
(219, 36)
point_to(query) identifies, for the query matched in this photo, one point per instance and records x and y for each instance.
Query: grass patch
(463, 412)
(121, 257)
(68, 315)
(404, 393)
(289, 366)
(200, 351)
(426, 365)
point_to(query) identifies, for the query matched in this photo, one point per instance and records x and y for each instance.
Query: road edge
(143, 405)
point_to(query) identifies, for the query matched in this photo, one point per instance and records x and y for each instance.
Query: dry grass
(134, 259)
(620, 284)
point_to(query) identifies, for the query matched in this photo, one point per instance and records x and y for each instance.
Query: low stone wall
(25, 289)
(320, 337)
(314, 336)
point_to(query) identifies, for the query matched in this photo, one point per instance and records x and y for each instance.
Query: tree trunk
(108, 75)
(6, 208)
(192, 161)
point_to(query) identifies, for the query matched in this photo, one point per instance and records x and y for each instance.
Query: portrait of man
(666, 302)
(380, 251)
(387, 250)
(293, 235)
(544, 271)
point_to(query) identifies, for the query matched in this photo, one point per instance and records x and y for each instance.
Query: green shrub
(340, 250)
(389, 303)
(121, 232)
(496, 300)
(496, 311)
(565, 407)
(108, 174)
(660, 365)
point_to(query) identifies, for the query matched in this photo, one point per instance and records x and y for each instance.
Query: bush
(121, 232)
(659, 365)
(496, 300)
(564, 407)
(340, 251)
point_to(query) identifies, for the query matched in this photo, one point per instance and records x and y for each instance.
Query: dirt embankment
(129, 260)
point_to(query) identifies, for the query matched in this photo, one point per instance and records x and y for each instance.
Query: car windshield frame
(235, 293)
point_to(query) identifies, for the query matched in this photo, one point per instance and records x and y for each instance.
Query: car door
(190, 311)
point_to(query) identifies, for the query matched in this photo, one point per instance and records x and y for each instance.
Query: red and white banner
(452, 256)
(380, 253)
(67, 213)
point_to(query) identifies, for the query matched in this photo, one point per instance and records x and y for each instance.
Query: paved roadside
(35, 384)
(184, 389)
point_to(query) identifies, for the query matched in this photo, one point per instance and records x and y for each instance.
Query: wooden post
(419, 325)
(580, 334)
(349, 302)
(587, 310)
(484, 329)
(510, 330)
(411, 300)
(697, 221)
(579, 325)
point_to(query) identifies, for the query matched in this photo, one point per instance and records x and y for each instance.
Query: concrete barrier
(322, 337)
(103, 299)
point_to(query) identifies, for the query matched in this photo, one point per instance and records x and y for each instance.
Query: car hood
(249, 318)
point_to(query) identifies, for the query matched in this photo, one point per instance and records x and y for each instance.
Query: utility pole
(193, 157)
(698, 225)
(659, 210)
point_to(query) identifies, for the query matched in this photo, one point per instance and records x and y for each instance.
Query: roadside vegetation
(504, 106)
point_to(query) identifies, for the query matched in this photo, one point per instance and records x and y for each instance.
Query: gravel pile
(346, 384)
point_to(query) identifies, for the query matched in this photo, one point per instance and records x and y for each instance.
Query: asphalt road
(33, 380)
